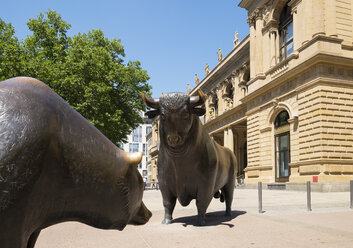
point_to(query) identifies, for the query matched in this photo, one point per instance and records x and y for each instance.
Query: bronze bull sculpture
(190, 164)
(55, 166)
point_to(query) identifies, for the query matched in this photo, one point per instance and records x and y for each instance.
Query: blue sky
(172, 39)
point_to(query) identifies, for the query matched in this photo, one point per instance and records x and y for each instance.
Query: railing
(308, 192)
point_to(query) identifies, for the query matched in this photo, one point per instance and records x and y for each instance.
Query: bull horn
(150, 102)
(197, 100)
(133, 158)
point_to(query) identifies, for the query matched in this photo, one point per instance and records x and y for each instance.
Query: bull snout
(174, 139)
(142, 216)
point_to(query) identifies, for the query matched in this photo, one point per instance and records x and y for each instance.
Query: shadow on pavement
(212, 219)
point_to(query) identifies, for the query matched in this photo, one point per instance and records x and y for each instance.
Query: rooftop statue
(219, 55)
(207, 69)
(197, 79)
(236, 41)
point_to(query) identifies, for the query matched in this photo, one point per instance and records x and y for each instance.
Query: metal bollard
(308, 195)
(351, 190)
(259, 187)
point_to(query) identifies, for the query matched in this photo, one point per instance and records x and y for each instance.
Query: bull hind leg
(228, 191)
(202, 205)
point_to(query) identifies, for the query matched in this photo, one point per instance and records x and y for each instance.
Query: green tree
(87, 70)
(10, 51)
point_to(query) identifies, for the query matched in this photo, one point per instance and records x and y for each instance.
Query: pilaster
(251, 23)
(259, 41)
(318, 17)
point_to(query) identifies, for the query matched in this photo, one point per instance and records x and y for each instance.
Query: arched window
(285, 31)
(282, 119)
(282, 145)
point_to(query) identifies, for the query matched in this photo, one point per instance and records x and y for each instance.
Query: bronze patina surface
(190, 164)
(55, 166)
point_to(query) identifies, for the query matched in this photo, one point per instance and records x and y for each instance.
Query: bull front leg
(169, 204)
(202, 204)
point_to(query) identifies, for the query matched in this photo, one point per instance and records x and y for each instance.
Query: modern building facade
(137, 142)
(282, 99)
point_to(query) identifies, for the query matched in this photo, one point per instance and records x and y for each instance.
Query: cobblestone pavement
(285, 222)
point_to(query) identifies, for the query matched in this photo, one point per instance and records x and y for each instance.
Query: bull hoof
(228, 213)
(166, 221)
(201, 221)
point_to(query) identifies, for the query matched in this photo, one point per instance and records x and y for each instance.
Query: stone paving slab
(285, 223)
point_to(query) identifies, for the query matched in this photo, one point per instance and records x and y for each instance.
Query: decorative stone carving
(228, 103)
(207, 69)
(211, 113)
(236, 40)
(267, 11)
(256, 14)
(197, 79)
(219, 55)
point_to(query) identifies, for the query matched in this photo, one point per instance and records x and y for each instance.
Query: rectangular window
(286, 40)
(144, 149)
(137, 134)
(133, 147)
(282, 155)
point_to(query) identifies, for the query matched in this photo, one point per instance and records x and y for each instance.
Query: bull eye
(186, 116)
(163, 117)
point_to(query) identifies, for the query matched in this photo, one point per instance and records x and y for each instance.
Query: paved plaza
(285, 222)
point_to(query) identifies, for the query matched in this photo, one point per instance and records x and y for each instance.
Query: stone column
(235, 82)
(318, 17)
(207, 107)
(277, 46)
(251, 23)
(296, 30)
(225, 137)
(229, 138)
(220, 100)
(259, 42)
(307, 16)
(273, 59)
(330, 17)
(299, 22)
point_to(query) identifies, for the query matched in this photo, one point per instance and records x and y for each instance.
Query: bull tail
(133, 158)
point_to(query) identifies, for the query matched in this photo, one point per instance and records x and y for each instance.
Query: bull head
(178, 112)
(194, 101)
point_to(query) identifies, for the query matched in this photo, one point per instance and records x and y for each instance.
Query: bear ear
(152, 113)
(198, 111)
(132, 158)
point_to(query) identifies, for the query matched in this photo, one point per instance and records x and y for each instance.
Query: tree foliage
(87, 70)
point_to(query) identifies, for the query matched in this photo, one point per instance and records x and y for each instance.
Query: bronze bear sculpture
(55, 166)
(190, 164)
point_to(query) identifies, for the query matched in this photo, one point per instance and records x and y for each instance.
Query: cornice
(283, 78)
(225, 117)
